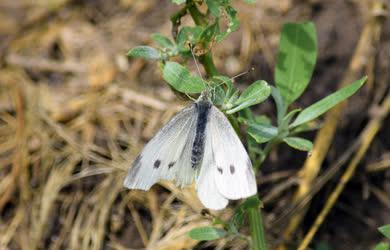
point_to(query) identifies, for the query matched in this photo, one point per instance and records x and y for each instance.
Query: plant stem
(255, 217)
(208, 64)
(256, 228)
(196, 15)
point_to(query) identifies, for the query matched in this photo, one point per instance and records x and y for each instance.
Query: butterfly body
(203, 110)
(197, 144)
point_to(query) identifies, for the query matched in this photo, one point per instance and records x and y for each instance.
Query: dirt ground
(75, 111)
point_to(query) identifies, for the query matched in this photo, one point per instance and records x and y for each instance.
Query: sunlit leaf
(181, 79)
(256, 93)
(296, 59)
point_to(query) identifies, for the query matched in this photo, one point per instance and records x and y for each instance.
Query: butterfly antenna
(242, 73)
(198, 69)
(196, 63)
(238, 75)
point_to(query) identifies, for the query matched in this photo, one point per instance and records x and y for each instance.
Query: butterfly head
(205, 95)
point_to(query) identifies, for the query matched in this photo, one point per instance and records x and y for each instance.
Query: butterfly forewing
(167, 155)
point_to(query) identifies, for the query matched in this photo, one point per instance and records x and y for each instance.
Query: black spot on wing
(171, 164)
(157, 164)
(232, 169)
(220, 170)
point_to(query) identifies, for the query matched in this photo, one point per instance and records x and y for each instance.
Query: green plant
(295, 64)
(385, 230)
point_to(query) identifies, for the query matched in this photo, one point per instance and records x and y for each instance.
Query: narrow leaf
(385, 230)
(257, 92)
(296, 59)
(144, 52)
(181, 79)
(320, 107)
(299, 143)
(206, 233)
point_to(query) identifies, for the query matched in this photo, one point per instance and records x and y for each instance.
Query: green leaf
(281, 108)
(283, 126)
(219, 96)
(162, 41)
(251, 202)
(233, 23)
(320, 107)
(299, 143)
(188, 35)
(209, 33)
(382, 246)
(214, 7)
(286, 120)
(181, 79)
(263, 119)
(250, 1)
(385, 230)
(322, 246)
(238, 216)
(296, 59)
(178, 1)
(262, 132)
(206, 233)
(223, 80)
(144, 52)
(257, 92)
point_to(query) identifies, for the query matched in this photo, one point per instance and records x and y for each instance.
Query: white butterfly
(197, 144)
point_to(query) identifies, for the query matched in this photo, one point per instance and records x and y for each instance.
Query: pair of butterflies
(197, 144)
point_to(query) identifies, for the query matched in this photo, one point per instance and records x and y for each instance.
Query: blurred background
(75, 111)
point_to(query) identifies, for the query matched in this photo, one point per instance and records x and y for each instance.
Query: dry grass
(74, 111)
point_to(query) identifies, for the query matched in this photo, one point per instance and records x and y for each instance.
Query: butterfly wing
(205, 184)
(167, 155)
(234, 176)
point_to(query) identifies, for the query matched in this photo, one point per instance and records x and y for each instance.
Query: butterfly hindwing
(205, 184)
(167, 156)
(234, 176)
